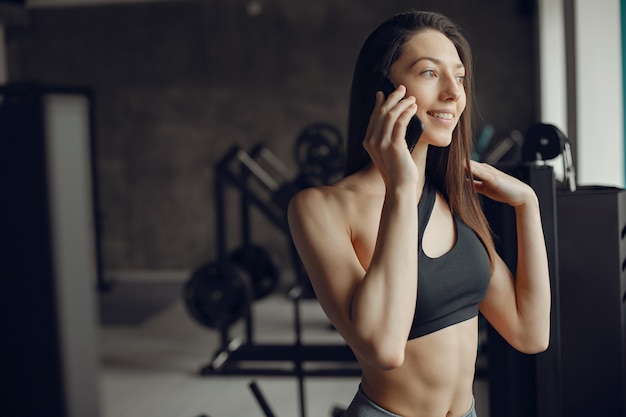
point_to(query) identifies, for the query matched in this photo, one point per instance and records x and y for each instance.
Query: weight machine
(265, 183)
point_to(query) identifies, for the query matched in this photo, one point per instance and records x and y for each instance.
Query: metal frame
(237, 169)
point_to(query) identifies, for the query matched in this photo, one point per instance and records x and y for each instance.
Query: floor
(151, 368)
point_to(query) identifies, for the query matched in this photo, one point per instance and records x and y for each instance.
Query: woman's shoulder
(338, 199)
(319, 198)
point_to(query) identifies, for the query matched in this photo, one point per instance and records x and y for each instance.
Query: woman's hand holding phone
(385, 139)
(415, 128)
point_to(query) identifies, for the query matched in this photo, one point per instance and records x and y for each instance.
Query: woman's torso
(438, 371)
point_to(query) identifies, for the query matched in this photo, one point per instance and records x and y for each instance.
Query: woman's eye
(460, 79)
(429, 73)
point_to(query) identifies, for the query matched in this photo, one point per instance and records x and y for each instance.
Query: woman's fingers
(385, 139)
(498, 185)
(406, 115)
(390, 117)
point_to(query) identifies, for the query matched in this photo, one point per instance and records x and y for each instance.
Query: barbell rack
(244, 171)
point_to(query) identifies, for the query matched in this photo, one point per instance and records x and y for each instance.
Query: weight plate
(319, 150)
(218, 295)
(262, 270)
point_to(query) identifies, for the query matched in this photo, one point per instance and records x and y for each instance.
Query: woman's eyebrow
(434, 60)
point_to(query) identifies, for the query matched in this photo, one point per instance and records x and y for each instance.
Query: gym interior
(150, 150)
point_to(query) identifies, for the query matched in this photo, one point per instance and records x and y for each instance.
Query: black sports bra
(450, 286)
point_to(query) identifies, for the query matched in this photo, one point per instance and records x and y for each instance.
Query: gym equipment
(262, 270)
(592, 268)
(218, 294)
(250, 267)
(260, 398)
(263, 182)
(545, 142)
(507, 145)
(267, 410)
(319, 151)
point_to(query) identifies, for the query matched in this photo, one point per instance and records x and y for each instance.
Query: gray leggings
(362, 406)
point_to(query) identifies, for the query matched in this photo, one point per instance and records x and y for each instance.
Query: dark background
(177, 83)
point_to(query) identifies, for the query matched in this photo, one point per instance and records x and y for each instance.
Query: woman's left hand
(499, 186)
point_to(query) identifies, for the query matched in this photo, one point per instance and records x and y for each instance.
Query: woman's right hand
(385, 139)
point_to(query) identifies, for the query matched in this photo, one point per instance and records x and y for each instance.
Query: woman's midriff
(435, 379)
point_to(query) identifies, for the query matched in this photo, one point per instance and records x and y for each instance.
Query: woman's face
(431, 70)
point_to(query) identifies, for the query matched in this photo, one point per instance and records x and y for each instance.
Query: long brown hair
(447, 168)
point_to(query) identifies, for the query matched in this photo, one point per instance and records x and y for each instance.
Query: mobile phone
(415, 128)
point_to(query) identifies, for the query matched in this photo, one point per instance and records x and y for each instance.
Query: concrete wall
(177, 83)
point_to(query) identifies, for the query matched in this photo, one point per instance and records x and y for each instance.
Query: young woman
(398, 251)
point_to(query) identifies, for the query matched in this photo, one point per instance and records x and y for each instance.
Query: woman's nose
(451, 89)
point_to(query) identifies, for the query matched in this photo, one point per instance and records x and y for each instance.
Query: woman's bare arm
(519, 308)
(373, 308)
